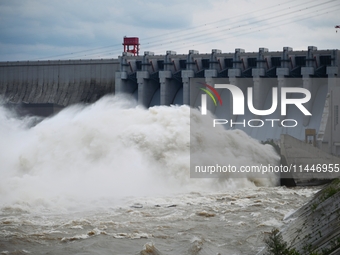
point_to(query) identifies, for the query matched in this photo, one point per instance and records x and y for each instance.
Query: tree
(277, 246)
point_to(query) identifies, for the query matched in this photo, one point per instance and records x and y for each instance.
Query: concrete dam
(60, 83)
(44, 87)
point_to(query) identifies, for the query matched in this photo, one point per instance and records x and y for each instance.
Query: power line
(203, 35)
(165, 34)
(273, 17)
(278, 23)
(238, 25)
(246, 27)
(268, 27)
(218, 21)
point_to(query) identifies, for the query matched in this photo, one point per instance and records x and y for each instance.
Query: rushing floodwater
(113, 178)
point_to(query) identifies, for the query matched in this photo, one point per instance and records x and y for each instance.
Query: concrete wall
(57, 82)
(314, 228)
(300, 157)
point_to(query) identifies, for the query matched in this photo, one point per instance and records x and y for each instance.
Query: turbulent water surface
(113, 178)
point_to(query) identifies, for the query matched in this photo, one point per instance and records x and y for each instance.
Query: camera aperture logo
(239, 105)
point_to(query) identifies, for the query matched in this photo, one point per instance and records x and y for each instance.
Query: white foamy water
(116, 171)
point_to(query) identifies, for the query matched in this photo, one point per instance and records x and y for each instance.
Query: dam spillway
(57, 82)
(166, 80)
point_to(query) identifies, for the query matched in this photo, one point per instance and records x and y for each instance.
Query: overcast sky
(84, 29)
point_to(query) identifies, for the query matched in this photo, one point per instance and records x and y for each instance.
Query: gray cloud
(38, 29)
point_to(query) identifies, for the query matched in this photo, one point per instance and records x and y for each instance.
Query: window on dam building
(160, 64)
(251, 62)
(325, 60)
(276, 61)
(205, 63)
(228, 62)
(300, 61)
(139, 65)
(182, 64)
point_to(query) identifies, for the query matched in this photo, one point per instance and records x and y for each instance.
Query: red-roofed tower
(132, 42)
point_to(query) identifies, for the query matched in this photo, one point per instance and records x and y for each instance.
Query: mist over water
(96, 155)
